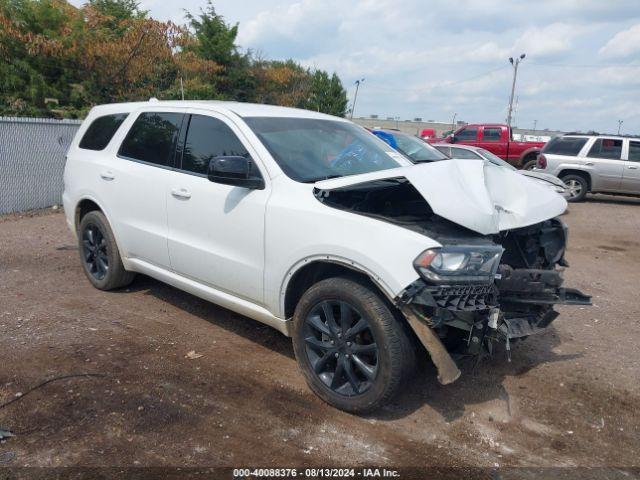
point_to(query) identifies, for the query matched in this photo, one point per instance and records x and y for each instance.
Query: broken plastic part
(448, 371)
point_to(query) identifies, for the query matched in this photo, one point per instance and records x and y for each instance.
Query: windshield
(416, 149)
(309, 150)
(494, 159)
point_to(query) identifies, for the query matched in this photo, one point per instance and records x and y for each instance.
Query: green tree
(215, 39)
(327, 95)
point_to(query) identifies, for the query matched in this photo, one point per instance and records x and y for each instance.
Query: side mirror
(452, 138)
(235, 170)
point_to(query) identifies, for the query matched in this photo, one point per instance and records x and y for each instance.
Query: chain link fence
(32, 157)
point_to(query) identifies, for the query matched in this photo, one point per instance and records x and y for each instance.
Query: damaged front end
(498, 272)
(514, 302)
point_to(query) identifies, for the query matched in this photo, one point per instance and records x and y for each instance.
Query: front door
(605, 161)
(631, 173)
(216, 232)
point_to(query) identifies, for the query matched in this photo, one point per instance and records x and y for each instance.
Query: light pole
(620, 122)
(513, 85)
(453, 123)
(355, 97)
(535, 122)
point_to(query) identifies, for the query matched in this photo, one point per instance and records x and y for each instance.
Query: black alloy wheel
(99, 253)
(341, 347)
(353, 348)
(94, 249)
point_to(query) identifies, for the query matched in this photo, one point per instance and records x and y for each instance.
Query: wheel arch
(574, 171)
(529, 154)
(313, 269)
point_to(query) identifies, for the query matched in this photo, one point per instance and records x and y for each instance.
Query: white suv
(312, 225)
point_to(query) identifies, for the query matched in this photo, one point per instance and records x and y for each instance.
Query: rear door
(491, 139)
(137, 180)
(216, 231)
(605, 162)
(631, 171)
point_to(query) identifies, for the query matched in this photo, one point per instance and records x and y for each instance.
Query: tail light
(542, 162)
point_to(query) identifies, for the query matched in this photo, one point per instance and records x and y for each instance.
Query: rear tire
(99, 253)
(578, 187)
(529, 164)
(353, 351)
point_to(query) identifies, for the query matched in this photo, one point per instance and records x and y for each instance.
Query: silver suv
(593, 163)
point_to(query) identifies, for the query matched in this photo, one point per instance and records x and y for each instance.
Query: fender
(355, 266)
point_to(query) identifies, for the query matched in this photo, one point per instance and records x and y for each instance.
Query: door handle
(632, 167)
(107, 175)
(589, 164)
(182, 193)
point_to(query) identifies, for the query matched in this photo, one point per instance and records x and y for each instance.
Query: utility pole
(513, 85)
(181, 88)
(453, 123)
(355, 97)
(535, 122)
(620, 122)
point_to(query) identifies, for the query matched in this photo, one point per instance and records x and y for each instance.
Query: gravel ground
(570, 397)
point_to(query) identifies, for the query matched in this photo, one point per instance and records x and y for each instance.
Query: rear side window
(564, 145)
(634, 151)
(606, 148)
(208, 138)
(152, 138)
(491, 134)
(101, 131)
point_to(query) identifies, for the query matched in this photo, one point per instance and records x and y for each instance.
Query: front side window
(491, 134)
(101, 131)
(564, 146)
(464, 154)
(467, 135)
(309, 150)
(152, 138)
(417, 150)
(208, 138)
(606, 148)
(634, 151)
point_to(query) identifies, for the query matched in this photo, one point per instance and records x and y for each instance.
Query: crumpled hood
(478, 195)
(547, 177)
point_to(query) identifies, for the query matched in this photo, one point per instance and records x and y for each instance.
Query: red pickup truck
(498, 140)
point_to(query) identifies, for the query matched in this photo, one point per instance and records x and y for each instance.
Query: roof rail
(598, 134)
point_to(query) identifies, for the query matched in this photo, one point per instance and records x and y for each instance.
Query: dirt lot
(569, 398)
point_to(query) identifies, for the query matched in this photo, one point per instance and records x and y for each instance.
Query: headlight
(458, 264)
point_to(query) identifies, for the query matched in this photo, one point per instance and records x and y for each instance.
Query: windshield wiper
(328, 177)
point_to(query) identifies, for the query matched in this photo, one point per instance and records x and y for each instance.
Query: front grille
(464, 297)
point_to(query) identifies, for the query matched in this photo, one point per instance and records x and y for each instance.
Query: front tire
(353, 351)
(99, 253)
(578, 187)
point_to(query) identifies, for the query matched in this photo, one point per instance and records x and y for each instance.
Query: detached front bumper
(519, 304)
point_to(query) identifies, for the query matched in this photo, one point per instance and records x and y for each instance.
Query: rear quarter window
(101, 131)
(564, 145)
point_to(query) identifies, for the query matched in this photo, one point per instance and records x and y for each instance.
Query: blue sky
(433, 59)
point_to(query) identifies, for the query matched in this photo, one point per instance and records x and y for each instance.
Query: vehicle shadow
(480, 381)
(214, 314)
(612, 199)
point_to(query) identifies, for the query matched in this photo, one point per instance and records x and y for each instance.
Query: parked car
(418, 151)
(593, 163)
(498, 139)
(477, 153)
(310, 224)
